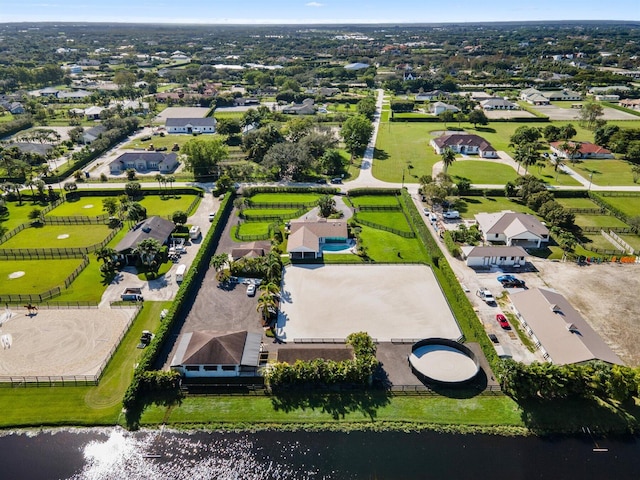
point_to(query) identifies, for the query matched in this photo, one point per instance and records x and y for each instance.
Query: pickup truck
(486, 295)
(133, 294)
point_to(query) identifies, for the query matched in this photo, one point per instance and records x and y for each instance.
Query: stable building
(558, 330)
(498, 255)
(306, 238)
(512, 229)
(217, 354)
(191, 125)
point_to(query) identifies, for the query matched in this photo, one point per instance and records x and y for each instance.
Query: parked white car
(451, 214)
(486, 295)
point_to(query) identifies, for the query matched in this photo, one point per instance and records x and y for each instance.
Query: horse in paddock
(31, 309)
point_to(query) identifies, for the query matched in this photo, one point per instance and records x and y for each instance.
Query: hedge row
(143, 378)
(357, 192)
(250, 191)
(329, 372)
(451, 245)
(14, 126)
(113, 192)
(398, 118)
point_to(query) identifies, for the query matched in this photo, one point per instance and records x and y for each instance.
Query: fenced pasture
(57, 236)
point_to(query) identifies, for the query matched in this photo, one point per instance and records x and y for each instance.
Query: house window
(512, 258)
(193, 368)
(210, 368)
(228, 368)
(502, 259)
(497, 235)
(153, 165)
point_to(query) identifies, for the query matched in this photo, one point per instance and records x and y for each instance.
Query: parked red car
(502, 320)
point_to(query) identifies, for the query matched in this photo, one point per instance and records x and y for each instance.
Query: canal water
(96, 454)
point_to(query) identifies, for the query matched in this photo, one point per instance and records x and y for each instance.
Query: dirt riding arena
(66, 342)
(607, 297)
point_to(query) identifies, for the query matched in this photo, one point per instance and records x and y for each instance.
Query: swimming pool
(336, 247)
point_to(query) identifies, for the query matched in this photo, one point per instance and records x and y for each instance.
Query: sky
(313, 11)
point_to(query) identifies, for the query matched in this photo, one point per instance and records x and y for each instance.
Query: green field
(605, 172)
(369, 408)
(92, 206)
(39, 275)
(285, 197)
(577, 203)
(99, 405)
(383, 246)
(16, 214)
(160, 141)
(6, 117)
(251, 228)
(586, 220)
(47, 236)
(395, 220)
(482, 172)
(373, 200)
(470, 206)
(630, 206)
(633, 240)
(283, 213)
(595, 240)
(163, 206)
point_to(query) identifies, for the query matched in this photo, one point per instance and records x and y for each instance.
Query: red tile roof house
(466, 144)
(587, 150)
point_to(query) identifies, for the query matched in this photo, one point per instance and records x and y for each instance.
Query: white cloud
(314, 4)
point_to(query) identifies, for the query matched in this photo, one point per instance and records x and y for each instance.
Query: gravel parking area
(557, 113)
(493, 114)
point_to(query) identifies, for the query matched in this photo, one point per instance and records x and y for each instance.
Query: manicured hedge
(357, 192)
(141, 377)
(451, 245)
(19, 123)
(250, 191)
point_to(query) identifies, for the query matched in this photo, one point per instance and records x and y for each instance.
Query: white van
(182, 268)
(194, 232)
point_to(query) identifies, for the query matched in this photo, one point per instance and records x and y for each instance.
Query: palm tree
(269, 288)
(571, 149)
(219, 261)
(273, 267)
(266, 303)
(448, 157)
(148, 250)
(170, 179)
(159, 178)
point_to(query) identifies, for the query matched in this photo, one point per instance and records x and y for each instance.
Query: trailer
(133, 294)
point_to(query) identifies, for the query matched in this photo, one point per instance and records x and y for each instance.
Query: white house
(512, 228)
(307, 237)
(501, 255)
(464, 143)
(436, 108)
(558, 330)
(191, 125)
(498, 104)
(533, 96)
(215, 354)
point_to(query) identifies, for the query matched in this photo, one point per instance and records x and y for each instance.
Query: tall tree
(477, 117)
(203, 154)
(590, 114)
(148, 249)
(356, 132)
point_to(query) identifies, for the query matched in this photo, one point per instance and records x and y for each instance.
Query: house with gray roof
(191, 125)
(465, 144)
(144, 162)
(307, 237)
(561, 334)
(496, 103)
(153, 227)
(534, 97)
(436, 108)
(304, 108)
(92, 134)
(217, 354)
(42, 149)
(512, 229)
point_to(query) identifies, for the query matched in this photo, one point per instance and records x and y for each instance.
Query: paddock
(389, 302)
(60, 342)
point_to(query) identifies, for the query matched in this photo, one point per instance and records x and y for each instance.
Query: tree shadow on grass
(336, 404)
(380, 154)
(486, 129)
(570, 415)
(168, 399)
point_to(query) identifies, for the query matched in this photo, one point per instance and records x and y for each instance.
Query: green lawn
(586, 220)
(549, 175)
(395, 220)
(17, 214)
(160, 141)
(605, 172)
(373, 200)
(163, 206)
(218, 114)
(47, 236)
(283, 213)
(404, 147)
(100, 405)
(387, 247)
(470, 206)
(595, 240)
(285, 197)
(577, 203)
(6, 117)
(79, 206)
(481, 171)
(371, 407)
(251, 228)
(633, 240)
(39, 275)
(628, 205)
